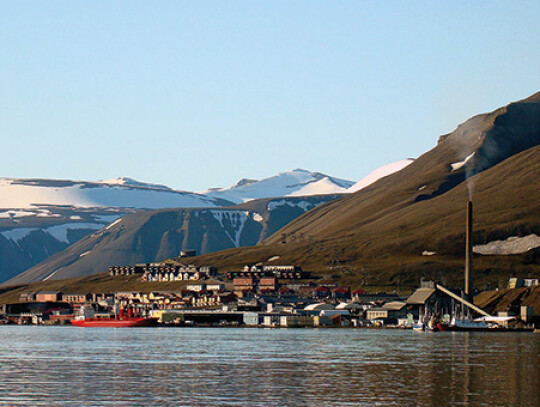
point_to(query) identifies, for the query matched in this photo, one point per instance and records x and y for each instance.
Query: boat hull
(455, 328)
(418, 327)
(114, 323)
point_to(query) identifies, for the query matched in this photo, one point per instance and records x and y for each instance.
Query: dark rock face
(156, 235)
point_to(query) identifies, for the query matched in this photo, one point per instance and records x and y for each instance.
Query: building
(76, 298)
(282, 272)
(177, 273)
(395, 309)
(515, 283)
(49, 296)
(27, 297)
(341, 292)
(322, 292)
(215, 287)
(126, 270)
(243, 284)
(196, 287)
(268, 284)
(357, 293)
(188, 253)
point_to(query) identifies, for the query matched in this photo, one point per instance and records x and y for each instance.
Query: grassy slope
(387, 248)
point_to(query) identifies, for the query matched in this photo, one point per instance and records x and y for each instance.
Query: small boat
(432, 325)
(418, 326)
(469, 325)
(87, 319)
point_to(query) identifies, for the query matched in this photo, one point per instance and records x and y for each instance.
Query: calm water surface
(68, 366)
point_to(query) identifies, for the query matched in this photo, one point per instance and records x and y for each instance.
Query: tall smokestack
(468, 252)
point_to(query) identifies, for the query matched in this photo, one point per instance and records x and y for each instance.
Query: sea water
(69, 366)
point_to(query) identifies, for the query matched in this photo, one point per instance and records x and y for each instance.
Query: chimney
(468, 252)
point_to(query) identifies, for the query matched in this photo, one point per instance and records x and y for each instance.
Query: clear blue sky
(199, 94)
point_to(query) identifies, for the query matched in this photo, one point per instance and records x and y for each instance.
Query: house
(27, 297)
(357, 293)
(177, 273)
(341, 292)
(49, 296)
(268, 284)
(515, 283)
(196, 287)
(76, 298)
(294, 321)
(242, 284)
(322, 292)
(215, 287)
(376, 313)
(307, 291)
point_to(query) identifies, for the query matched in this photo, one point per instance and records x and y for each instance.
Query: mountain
(155, 235)
(378, 235)
(291, 183)
(127, 181)
(41, 217)
(117, 193)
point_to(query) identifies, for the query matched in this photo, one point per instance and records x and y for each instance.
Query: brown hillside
(377, 236)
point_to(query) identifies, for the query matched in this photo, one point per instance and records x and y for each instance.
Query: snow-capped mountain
(117, 193)
(40, 217)
(379, 173)
(127, 181)
(291, 183)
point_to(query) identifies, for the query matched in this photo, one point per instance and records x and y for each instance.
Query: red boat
(86, 319)
(114, 323)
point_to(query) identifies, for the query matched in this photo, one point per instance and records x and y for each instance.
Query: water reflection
(62, 366)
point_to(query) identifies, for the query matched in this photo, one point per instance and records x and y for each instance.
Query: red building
(244, 284)
(267, 284)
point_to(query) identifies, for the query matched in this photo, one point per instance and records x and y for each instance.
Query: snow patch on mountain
(60, 232)
(131, 182)
(18, 234)
(458, 165)
(379, 173)
(291, 183)
(323, 186)
(306, 206)
(512, 245)
(16, 214)
(27, 194)
(114, 223)
(236, 221)
(106, 218)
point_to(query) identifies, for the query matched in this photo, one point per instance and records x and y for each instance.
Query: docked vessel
(113, 322)
(87, 319)
(478, 325)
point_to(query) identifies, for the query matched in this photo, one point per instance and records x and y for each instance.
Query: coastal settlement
(266, 296)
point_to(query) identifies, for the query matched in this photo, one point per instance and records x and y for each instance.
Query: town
(257, 295)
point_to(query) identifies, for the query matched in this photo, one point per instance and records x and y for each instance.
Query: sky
(200, 94)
